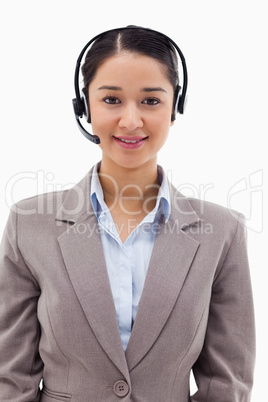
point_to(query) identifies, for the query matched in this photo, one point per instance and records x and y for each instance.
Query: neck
(131, 187)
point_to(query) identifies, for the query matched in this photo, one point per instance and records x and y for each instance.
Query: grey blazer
(58, 320)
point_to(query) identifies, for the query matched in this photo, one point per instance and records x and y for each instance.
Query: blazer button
(121, 388)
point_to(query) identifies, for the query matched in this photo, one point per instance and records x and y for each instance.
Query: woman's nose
(131, 117)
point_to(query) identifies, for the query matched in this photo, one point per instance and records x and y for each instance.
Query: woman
(117, 288)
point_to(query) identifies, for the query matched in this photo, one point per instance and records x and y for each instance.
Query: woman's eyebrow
(156, 89)
(110, 87)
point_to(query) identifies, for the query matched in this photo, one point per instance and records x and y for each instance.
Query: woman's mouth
(130, 142)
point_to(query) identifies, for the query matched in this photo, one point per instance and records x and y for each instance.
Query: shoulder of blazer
(215, 213)
(65, 205)
(217, 221)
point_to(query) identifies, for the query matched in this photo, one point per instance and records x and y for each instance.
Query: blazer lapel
(170, 262)
(83, 256)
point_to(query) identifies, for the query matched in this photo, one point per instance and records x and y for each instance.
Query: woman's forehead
(132, 66)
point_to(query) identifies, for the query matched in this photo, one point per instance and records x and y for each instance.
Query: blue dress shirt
(127, 262)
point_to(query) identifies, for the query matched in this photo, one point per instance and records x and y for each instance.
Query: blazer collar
(83, 256)
(77, 202)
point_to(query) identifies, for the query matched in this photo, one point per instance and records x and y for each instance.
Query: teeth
(129, 141)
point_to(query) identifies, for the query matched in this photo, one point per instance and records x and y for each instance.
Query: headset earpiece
(177, 97)
(86, 111)
(76, 108)
(80, 109)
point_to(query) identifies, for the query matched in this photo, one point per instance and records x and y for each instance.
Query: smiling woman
(124, 292)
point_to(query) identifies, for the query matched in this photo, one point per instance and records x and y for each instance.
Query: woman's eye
(111, 100)
(151, 101)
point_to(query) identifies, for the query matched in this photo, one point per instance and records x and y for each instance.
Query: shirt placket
(124, 283)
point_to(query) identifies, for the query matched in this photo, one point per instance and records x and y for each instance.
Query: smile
(134, 143)
(130, 141)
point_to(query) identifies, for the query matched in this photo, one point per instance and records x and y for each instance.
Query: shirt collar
(162, 203)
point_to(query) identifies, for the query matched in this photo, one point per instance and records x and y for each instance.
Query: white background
(215, 151)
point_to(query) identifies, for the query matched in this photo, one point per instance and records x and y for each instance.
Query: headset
(80, 104)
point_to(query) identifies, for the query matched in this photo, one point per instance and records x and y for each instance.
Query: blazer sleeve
(224, 369)
(21, 367)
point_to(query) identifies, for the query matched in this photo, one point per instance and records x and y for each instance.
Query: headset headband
(79, 103)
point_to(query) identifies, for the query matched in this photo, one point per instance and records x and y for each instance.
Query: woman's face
(131, 103)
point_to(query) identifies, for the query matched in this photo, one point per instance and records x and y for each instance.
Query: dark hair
(137, 40)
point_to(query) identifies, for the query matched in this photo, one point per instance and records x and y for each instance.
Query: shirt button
(121, 388)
